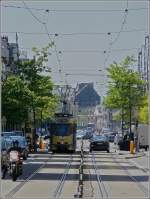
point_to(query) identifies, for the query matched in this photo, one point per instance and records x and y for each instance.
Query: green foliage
(15, 99)
(144, 112)
(125, 88)
(29, 90)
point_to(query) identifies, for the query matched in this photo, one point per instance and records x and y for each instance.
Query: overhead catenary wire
(89, 50)
(75, 33)
(118, 35)
(73, 10)
(47, 32)
(83, 74)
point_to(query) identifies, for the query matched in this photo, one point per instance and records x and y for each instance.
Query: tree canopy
(29, 91)
(125, 91)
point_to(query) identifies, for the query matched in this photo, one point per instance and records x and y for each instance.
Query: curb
(135, 156)
(146, 170)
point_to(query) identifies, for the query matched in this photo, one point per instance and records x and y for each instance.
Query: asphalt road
(106, 175)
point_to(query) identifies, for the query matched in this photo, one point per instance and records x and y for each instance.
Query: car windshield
(12, 133)
(99, 138)
(21, 140)
(7, 134)
(18, 133)
(22, 143)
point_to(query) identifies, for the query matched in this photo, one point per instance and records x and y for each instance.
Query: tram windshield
(61, 129)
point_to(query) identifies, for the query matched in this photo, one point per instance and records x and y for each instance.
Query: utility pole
(130, 108)
(147, 61)
(122, 121)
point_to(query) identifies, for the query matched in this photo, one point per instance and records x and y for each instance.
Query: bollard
(80, 185)
(40, 143)
(131, 147)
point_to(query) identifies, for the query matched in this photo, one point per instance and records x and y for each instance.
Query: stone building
(86, 99)
(9, 55)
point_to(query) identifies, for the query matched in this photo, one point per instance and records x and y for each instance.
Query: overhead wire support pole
(147, 60)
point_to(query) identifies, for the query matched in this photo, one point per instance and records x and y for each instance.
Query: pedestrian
(116, 142)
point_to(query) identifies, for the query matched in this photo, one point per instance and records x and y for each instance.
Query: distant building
(102, 117)
(86, 95)
(23, 55)
(86, 99)
(4, 56)
(9, 55)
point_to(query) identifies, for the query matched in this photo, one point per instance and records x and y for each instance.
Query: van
(143, 136)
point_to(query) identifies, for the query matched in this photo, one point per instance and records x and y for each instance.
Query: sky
(83, 39)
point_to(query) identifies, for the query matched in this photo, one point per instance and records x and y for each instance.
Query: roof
(87, 95)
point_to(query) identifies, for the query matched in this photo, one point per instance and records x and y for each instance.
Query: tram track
(59, 188)
(102, 189)
(60, 185)
(11, 194)
(131, 177)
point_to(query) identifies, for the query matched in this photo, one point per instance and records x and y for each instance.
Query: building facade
(9, 55)
(102, 117)
(86, 95)
(86, 99)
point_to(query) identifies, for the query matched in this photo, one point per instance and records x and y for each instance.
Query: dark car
(99, 143)
(111, 138)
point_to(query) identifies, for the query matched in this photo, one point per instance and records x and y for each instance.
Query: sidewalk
(140, 159)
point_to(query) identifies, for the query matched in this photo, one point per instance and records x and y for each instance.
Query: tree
(15, 100)
(41, 85)
(143, 116)
(29, 90)
(125, 89)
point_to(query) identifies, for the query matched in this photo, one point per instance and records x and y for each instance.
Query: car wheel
(90, 150)
(146, 148)
(108, 151)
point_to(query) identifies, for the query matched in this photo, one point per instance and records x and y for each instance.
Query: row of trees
(28, 95)
(126, 93)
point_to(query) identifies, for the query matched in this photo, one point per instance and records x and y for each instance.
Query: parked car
(7, 134)
(4, 154)
(111, 137)
(18, 133)
(12, 133)
(99, 143)
(22, 144)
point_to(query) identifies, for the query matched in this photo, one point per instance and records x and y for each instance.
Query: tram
(63, 133)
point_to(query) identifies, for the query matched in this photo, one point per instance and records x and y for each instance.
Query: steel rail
(132, 178)
(20, 185)
(59, 187)
(102, 188)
